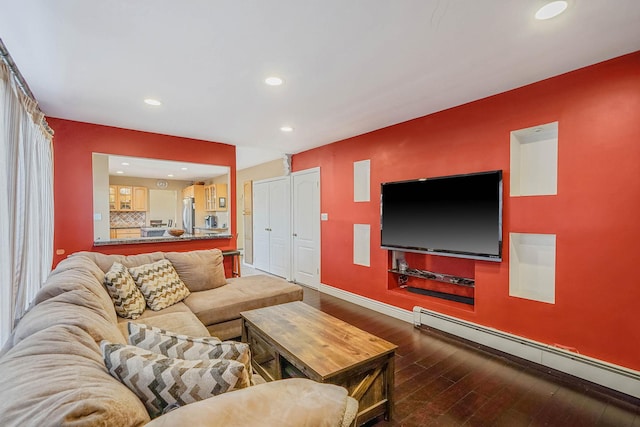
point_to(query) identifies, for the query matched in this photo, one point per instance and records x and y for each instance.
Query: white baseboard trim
(597, 371)
(380, 307)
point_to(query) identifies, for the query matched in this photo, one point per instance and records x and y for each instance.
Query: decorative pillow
(160, 284)
(199, 270)
(127, 298)
(160, 381)
(179, 346)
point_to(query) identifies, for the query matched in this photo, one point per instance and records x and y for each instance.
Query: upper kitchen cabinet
(140, 197)
(210, 197)
(127, 198)
(215, 196)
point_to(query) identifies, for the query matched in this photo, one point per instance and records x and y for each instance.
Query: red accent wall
(595, 215)
(73, 144)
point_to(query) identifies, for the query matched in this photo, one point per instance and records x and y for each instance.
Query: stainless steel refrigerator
(188, 215)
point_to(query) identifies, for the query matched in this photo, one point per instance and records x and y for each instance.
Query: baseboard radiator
(596, 371)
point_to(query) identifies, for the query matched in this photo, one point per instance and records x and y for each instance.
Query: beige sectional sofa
(53, 372)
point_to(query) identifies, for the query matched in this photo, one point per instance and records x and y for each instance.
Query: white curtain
(26, 202)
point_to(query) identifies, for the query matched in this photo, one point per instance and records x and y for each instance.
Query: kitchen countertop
(120, 227)
(160, 239)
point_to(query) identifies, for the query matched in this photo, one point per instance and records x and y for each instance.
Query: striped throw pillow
(160, 284)
(161, 382)
(127, 298)
(179, 346)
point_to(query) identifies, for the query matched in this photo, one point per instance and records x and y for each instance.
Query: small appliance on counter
(211, 221)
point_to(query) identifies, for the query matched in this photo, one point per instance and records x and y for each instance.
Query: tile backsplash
(127, 219)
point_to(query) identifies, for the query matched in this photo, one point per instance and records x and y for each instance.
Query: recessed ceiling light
(151, 101)
(273, 81)
(183, 169)
(286, 129)
(551, 10)
(124, 164)
(170, 175)
(119, 172)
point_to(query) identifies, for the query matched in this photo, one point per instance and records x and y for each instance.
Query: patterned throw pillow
(127, 298)
(160, 284)
(160, 381)
(179, 346)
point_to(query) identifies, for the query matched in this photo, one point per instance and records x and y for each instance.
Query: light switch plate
(324, 217)
(97, 217)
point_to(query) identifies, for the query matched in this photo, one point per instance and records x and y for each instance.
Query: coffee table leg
(390, 378)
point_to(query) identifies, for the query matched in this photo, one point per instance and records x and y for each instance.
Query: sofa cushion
(159, 283)
(180, 346)
(77, 273)
(199, 270)
(160, 381)
(57, 377)
(294, 402)
(77, 307)
(105, 261)
(127, 298)
(245, 293)
(176, 318)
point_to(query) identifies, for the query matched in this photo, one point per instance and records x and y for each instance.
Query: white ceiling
(163, 169)
(349, 66)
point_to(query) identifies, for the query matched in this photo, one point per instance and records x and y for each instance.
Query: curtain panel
(26, 202)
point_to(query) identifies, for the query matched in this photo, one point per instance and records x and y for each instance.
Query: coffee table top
(325, 344)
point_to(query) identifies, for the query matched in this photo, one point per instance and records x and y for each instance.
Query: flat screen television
(457, 216)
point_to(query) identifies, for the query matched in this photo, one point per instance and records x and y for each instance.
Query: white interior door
(261, 225)
(306, 227)
(280, 227)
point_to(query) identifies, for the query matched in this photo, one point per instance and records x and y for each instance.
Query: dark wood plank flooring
(440, 381)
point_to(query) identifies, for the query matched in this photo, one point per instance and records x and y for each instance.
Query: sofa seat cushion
(176, 318)
(294, 402)
(57, 377)
(241, 294)
(199, 270)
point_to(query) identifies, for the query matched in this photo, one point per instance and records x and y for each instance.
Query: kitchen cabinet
(126, 233)
(113, 197)
(210, 197)
(127, 198)
(140, 196)
(213, 193)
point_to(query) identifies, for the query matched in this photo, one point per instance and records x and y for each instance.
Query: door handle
(295, 234)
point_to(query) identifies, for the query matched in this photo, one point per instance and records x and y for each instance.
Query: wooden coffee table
(296, 340)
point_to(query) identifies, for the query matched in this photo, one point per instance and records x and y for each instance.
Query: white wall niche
(532, 266)
(534, 161)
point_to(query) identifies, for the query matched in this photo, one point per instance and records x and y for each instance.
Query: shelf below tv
(439, 277)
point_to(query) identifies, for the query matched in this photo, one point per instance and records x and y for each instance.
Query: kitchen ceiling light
(153, 102)
(124, 164)
(119, 172)
(286, 129)
(183, 169)
(170, 175)
(273, 81)
(551, 10)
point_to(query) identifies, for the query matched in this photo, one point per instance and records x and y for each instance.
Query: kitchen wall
(594, 214)
(73, 145)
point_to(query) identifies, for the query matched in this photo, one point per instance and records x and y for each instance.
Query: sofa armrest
(294, 402)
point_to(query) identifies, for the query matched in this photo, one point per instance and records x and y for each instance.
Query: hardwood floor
(440, 381)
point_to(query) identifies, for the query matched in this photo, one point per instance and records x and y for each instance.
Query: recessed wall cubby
(532, 266)
(534, 161)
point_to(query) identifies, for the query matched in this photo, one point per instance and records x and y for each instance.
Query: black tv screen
(459, 216)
